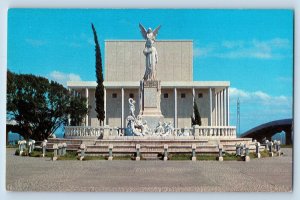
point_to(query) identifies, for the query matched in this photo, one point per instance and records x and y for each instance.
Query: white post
(218, 98)
(210, 107)
(87, 105)
(224, 108)
(104, 123)
(122, 117)
(221, 102)
(193, 102)
(216, 108)
(228, 106)
(69, 119)
(175, 113)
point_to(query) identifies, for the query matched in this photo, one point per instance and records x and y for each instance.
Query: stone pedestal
(150, 103)
(247, 158)
(106, 132)
(194, 152)
(138, 147)
(54, 152)
(82, 151)
(165, 152)
(110, 149)
(271, 154)
(258, 155)
(278, 153)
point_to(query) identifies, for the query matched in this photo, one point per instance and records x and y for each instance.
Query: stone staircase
(150, 149)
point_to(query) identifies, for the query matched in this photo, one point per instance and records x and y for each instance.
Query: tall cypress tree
(196, 120)
(99, 94)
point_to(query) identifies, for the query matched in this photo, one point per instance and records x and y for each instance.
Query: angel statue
(150, 52)
(131, 107)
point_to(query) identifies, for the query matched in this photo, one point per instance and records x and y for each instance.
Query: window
(114, 95)
(182, 95)
(166, 95)
(200, 95)
(131, 95)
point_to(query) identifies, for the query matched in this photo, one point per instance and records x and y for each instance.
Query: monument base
(153, 120)
(151, 111)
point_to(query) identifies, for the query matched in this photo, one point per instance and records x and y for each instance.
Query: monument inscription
(151, 84)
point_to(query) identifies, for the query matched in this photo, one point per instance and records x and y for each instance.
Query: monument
(150, 120)
(150, 88)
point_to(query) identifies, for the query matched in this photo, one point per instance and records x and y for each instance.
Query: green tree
(38, 106)
(77, 110)
(196, 120)
(99, 94)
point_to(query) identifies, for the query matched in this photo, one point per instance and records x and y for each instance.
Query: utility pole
(238, 117)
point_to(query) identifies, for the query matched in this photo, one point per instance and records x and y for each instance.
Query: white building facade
(124, 68)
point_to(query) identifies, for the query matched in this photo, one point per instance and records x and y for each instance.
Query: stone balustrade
(84, 131)
(197, 132)
(214, 131)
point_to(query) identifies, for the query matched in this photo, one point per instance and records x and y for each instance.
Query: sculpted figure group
(138, 127)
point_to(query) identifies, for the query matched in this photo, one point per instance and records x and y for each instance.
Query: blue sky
(253, 49)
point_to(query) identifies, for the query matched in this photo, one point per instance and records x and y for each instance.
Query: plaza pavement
(42, 174)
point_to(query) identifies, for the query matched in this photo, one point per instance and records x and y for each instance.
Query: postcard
(150, 100)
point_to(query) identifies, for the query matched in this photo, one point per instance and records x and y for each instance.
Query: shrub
(17, 152)
(93, 158)
(70, 155)
(125, 157)
(25, 152)
(206, 157)
(35, 154)
(179, 157)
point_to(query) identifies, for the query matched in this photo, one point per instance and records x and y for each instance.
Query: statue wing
(143, 31)
(155, 32)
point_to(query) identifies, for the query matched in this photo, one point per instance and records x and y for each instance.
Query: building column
(69, 118)
(225, 107)
(193, 91)
(104, 123)
(216, 108)
(228, 106)
(87, 106)
(122, 117)
(175, 110)
(210, 107)
(222, 108)
(219, 99)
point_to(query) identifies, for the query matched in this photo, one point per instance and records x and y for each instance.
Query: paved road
(42, 174)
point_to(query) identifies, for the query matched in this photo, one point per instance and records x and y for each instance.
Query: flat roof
(141, 40)
(136, 84)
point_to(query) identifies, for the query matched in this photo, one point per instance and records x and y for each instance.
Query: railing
(83, 131)
(214, 131)
(196, 131)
